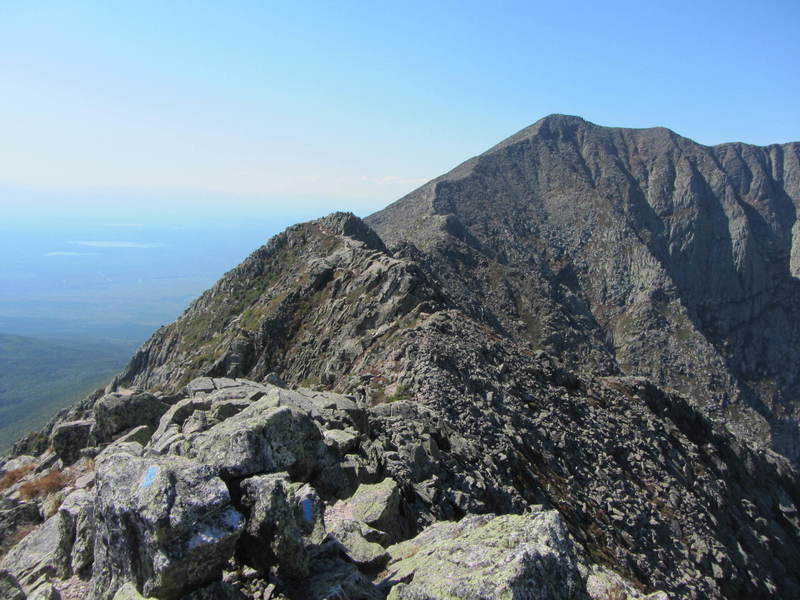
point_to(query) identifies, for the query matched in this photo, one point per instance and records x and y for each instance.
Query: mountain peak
(707, 231)
(554, 124)
(557, 122)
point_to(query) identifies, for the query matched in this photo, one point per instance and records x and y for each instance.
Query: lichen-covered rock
(332, 411)
(69, 438)
(17, 462)
(129, 592)
(200, 385)
(10, 588)
(225, 409)
(15, 515)
(272, 536)
(44, 590)
(309, 512)
(376, 504)
(165, 524)
(342, 441)
(353, 541)
(510, 557)
(260, 439)
(118, 411)
(170, 425)
(79, 506)
(43, 553)
(218, 590)
(140, 435)
(604, 584)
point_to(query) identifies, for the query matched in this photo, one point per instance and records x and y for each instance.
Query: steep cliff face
(669, 259)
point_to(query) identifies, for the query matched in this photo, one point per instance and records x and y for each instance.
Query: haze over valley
(80, 294)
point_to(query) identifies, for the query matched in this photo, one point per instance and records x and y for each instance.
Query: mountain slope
(672, 260)
(343, 413)
(318, 304)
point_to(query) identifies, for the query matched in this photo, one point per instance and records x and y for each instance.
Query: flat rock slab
(511, 557)
(260, 439)
(43, 553)
(376, 504)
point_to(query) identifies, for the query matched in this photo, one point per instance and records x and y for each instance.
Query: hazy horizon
(305, 109)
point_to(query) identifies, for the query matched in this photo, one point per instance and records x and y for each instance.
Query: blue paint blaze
(149, 476)
(308, 513)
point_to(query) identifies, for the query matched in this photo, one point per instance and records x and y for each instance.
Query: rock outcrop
(642, 491)
(507, 557)
(165, 524)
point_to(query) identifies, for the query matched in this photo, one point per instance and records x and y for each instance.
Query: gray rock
(227, 408)
(140, 435)
(309, 511)
(333, 579)
(43, 553)
(272, 536)
(133, 448)
(85, 481)
(79, 505)
(116, 412)
(243, 391)
(197, 421)
(401, 408)
(260, 439)
(222, 383)
(511, 557)
(68, 439)
(9, 587)
(350, 535)
(376, 505)
(342, 441)
(216, 591)
(165, 524)
(129, 592)
(44, 590)
(200, 385)
(602, 584)
(17, 462)
(169, 432)
(332, 411)
(46, 461)
(177, 414)
(14, 515)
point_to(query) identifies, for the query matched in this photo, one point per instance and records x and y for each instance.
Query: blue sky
(300, 108)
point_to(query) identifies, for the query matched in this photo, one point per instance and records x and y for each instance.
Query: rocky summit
(567, 369)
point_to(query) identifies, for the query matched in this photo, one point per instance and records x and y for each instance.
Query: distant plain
(78, 297)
